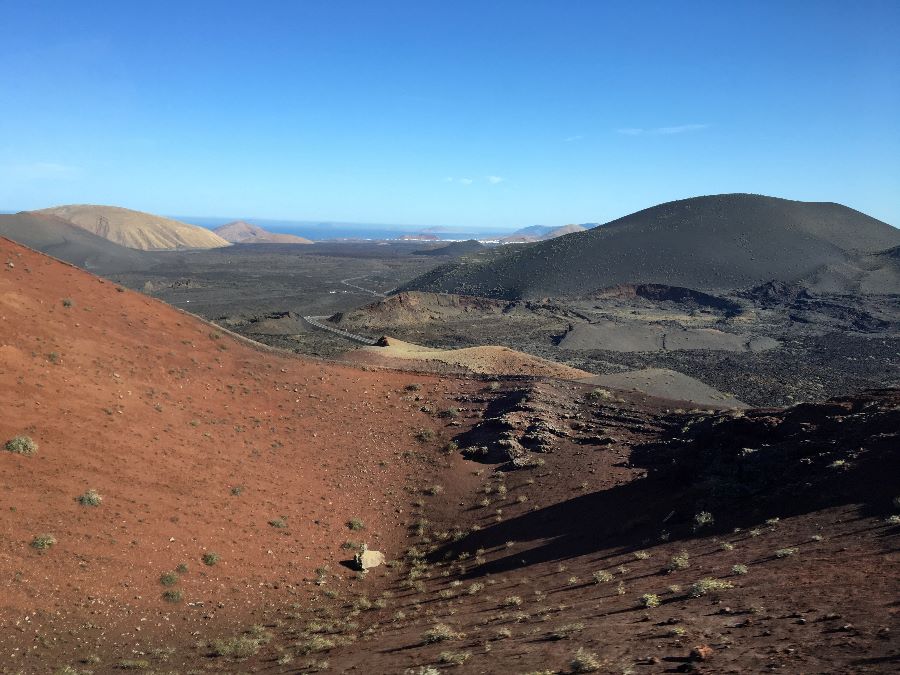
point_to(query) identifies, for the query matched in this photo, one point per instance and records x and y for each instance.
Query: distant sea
(333, 230)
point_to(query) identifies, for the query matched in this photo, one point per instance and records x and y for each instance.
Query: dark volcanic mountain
(54, 236)
(456, 249)
(711, 243)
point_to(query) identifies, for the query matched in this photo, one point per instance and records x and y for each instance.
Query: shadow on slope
(740, 469)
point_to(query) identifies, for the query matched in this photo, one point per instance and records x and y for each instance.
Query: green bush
(210, 558)
(708, 585)
(21, 445)
(173, 595)
(43, 542)
(439, 633)
(240, 647)
(680, 562)
(585, 662)
(89, 498)
(168, 579)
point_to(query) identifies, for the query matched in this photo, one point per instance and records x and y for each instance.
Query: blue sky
(483, 114)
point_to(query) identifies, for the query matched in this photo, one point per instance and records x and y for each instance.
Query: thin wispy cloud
(572, 139)
(493, 180)
(661, 131)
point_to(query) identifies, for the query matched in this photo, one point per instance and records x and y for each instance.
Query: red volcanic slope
(167, 418)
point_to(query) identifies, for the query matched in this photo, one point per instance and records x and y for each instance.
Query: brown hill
(196, 441)
(541, 233)
(135, 229)
(242, 232)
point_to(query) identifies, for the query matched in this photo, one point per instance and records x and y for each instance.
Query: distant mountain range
(706, 243)
(543, 233)
(242, 232)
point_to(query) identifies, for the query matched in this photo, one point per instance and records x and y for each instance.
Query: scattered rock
(366, 559)
(701, 653)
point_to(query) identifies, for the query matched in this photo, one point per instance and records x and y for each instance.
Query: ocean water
(334, 230)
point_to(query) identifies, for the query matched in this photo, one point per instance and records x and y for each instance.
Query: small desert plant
(785, 552)
(641, 555)
(133, 664)
(425, 435)
(740, 570)
(53, 357)
(168, 579)
(817, 537)
(67, 302)
(708, 585)
(355, 524)
(42, 542)
(454, 658)
(585, 662)
(182, 568)
(433, 490)
(726, 546)
(413, 387)
(451, 447)
(681, 561)
(475, 588)
(439, 633)
(602, 576)
(512, 601)
(598, 395)
(237, 490)
(210, 558)
(650, 600)
(21, 445)
(173, 595)
(278, 523)
(566, 631)
(89, 498)
(703, 519)
(240, 647)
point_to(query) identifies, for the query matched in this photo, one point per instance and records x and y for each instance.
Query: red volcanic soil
(168, 419)
(571, 529)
